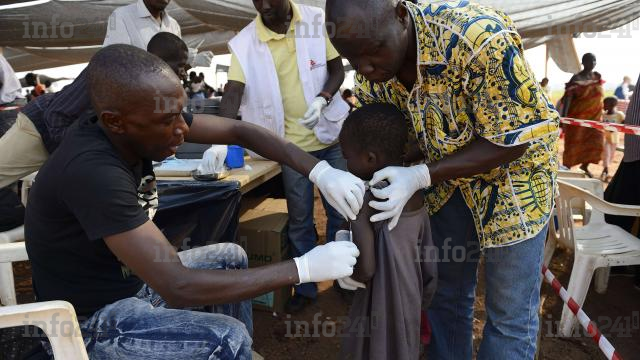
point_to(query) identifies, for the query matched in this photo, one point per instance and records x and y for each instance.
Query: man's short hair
(166, 45)
(380, 128)
(118, 75)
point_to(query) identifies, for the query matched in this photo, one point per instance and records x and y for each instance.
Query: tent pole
(546, 61)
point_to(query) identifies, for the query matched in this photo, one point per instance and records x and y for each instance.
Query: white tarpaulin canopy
(47, 33)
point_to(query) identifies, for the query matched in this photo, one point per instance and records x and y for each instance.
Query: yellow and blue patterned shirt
(473, 81)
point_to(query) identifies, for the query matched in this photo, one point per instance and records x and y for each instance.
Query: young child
(611, 115)
(397, 266)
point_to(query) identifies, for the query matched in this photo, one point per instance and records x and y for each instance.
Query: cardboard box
(263, 234)
(250, 203)
(273, 205)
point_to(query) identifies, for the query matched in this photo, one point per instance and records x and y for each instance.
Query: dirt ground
(616, 313)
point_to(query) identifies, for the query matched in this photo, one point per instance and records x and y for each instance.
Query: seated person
(41, 125)
(91, 241)
(398, 267)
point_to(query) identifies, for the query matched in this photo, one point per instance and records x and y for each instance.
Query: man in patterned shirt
(488, 141)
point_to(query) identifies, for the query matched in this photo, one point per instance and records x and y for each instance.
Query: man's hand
(343, 191)
(312, 116)
(334, 260)
(404, 182)
(213, 159)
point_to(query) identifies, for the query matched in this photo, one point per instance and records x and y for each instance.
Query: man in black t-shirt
(91, 242)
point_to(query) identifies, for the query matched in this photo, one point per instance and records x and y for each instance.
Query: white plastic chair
(581, 211)
(7, 285)
(58, 321)
(569, 174)
(597, 245)
(56, 318)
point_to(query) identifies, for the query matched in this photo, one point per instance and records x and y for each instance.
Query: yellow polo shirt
(283, 51)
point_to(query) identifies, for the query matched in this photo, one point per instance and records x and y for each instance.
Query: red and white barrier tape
(7, 108)
(595, 334)
(627, 129)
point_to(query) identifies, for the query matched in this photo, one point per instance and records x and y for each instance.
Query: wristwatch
(326, 96)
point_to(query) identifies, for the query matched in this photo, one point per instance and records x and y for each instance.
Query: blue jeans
(299, 193)
(512, 291)
(144, 327)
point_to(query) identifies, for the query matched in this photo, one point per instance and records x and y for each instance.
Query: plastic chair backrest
(568, 174)
(565, 215)
(595, 187)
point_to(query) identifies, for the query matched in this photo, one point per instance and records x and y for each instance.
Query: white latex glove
(312, 116)
(403, 183)
(203, 59)
(213, 160)
(343, 191)
(331, 261)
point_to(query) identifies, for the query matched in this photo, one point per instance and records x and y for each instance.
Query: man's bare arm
(210, 129)
(149, 255)
(232, 99)
(336, 76)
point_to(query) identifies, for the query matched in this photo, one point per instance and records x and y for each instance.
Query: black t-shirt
(83, 193)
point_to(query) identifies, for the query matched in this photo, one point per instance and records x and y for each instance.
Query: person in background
(583, 100)
(611, 115)
(624, 188)
(348, 97)
(38, 87)
(397, 267)
(544, 84)
(623, 92)
(11, 99)
(137, 23)
(196, 86)
(43, 123)
(286, 75)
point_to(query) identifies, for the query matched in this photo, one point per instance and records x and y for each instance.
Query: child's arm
(364, 238)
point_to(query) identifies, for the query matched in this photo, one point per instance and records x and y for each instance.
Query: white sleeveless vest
(262, 102)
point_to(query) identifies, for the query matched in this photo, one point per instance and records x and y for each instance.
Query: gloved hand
(331, 261)
(312, 116)
(403, 183)
(213, 160)
(196, 58)
(342, 190)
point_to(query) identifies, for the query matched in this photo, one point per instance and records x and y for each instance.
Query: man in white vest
(285, 76)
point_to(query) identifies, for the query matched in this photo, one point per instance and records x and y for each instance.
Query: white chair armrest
(13, 252)
(12, 235)
(597, 203)
(58, 321)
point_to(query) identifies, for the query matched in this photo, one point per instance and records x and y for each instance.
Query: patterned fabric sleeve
(505, 95)
(364, 92)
